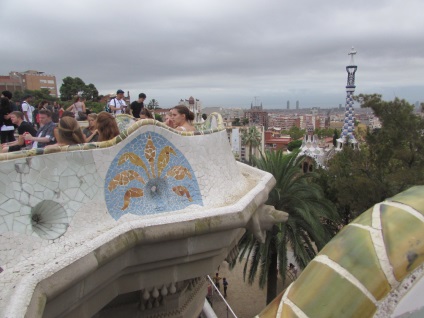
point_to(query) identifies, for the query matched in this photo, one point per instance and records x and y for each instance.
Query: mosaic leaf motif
(182, 191)
(123, 178)
(134, 159)
(164, 157)
(150, 154)
(179, 173)
(131, 193)
(149, 176)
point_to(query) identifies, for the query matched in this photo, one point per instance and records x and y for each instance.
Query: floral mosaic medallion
(149, 176)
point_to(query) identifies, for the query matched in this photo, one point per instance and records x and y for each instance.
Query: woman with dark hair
(106, 126)
(182, 118)
(7, 128)
(145, 114)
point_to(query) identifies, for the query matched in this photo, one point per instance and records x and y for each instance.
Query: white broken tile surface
(76, 181)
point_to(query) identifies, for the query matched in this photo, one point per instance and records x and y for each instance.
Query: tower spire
(349, 121)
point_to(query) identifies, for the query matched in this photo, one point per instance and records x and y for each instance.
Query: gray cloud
(222, 52)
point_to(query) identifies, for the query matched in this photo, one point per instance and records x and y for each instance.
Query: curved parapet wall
(68, 212)
(367, 269)
(165, 169)
(127, 126)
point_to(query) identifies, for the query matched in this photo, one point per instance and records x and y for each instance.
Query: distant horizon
(274, 50)
(386, 95)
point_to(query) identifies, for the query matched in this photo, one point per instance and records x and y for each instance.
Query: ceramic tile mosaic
(367, 268)
(148, 176)
(213, 124)
(57, 205)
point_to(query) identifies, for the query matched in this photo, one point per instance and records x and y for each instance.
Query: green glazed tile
(353, 249)
(322, 293)
(403, 236)
(365, 218)
(413, 197)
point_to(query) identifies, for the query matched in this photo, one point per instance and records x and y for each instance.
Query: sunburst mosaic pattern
(148, 176)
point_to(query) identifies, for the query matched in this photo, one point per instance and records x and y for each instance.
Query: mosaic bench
(67, 212)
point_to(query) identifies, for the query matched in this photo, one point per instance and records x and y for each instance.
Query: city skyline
(223, 53)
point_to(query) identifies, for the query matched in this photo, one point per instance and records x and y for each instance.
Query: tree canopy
(236, 122)
(335, 137)
(390, 161)
(153, 104)
(324, 132)
(72, 87)
(294, 132)
(38, 95)
(295, 144)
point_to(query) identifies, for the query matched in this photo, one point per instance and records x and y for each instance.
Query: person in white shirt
(117, 105)
(27, 109)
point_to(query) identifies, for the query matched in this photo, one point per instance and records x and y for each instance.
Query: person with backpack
(117, 105)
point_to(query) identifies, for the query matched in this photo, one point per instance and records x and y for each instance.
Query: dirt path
(245, 300)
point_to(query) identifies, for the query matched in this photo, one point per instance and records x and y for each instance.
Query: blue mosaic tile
(149, 176)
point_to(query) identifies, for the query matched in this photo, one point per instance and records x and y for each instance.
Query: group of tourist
(49, 126)
(179, 117)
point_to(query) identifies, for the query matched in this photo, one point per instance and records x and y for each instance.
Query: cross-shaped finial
(352, 53)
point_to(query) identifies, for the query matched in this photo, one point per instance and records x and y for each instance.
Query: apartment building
(31, 80)
(257, 116)
(283, 121)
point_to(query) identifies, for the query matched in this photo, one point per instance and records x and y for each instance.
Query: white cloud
(222, 52)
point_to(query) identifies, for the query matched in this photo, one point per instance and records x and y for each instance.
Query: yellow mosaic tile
(403, 236)
(270, 311)
(361, 260)
(320, 292)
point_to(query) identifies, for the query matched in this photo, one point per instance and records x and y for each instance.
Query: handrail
(220, 295)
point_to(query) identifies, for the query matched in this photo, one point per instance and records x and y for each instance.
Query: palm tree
(304, 230)
(153, 104)
(252, 138)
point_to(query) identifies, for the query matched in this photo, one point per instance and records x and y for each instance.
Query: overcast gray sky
(221, 52)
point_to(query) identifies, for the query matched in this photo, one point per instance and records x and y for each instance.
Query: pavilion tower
(311, 148)
(349, 121)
